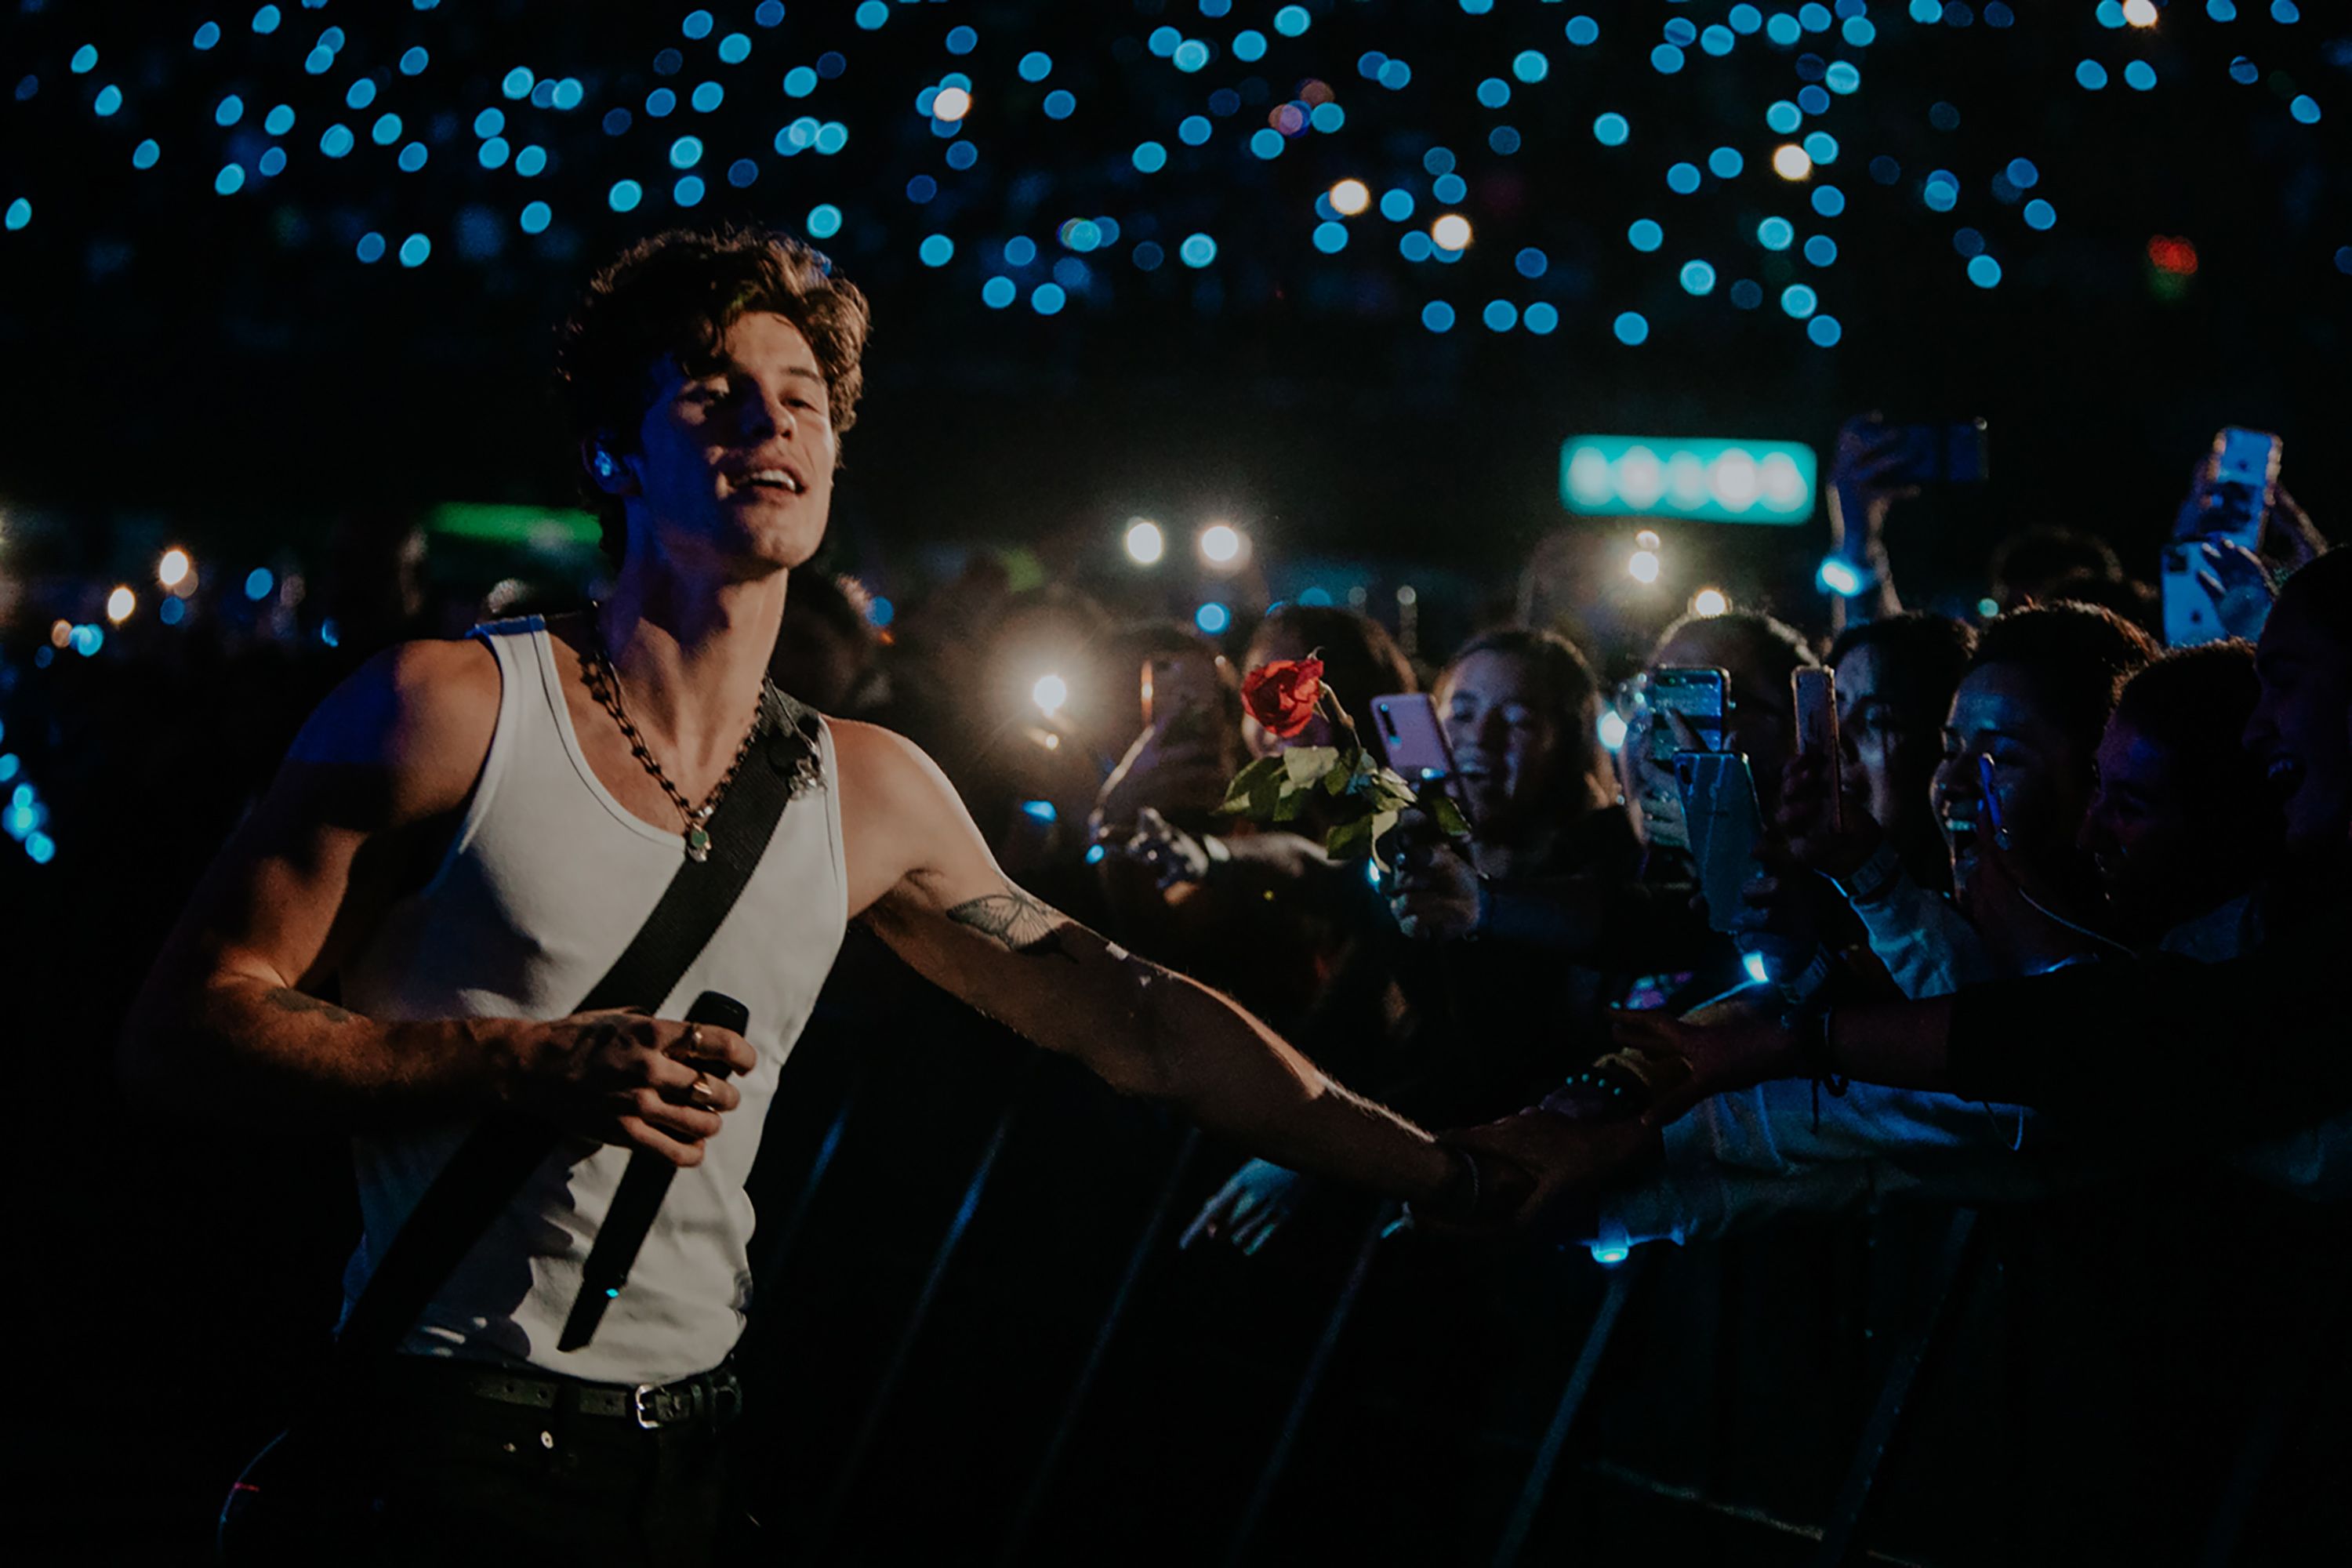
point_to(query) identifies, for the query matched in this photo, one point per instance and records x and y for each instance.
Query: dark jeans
(428, 1475)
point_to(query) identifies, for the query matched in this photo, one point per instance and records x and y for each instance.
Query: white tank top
(547, 880)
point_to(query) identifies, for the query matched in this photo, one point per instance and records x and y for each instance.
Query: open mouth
(2282, 776)
(1960, 826)
(770, 480)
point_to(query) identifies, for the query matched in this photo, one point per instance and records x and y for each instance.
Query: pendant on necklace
(697, 836)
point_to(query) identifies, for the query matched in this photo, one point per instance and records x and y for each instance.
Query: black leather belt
(712, 1398)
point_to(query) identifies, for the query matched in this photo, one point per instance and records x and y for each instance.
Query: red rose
(1282, 695)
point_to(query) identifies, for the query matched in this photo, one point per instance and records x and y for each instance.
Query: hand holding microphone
(639, 1196)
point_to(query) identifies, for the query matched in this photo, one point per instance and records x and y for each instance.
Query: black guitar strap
(500, 1153)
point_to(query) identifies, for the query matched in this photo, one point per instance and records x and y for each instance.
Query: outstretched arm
(924, 880)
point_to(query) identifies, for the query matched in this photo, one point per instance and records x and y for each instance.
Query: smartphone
(1943, 455)
(1719, 804)
(1988, 798)
(1813, 700)
(2238, 477)
(2190, 616)
(1411, 737)
(1700, 695)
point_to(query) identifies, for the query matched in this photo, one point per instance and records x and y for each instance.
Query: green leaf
(1349, 840)
(1382, 789)
(1380, 824)
(1259, 779)
(1303, 766)
(1445, 814)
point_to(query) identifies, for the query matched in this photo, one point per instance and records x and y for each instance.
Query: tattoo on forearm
(290, 1001)
(1015, 919)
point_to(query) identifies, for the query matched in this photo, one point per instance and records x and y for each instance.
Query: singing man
(466, 834)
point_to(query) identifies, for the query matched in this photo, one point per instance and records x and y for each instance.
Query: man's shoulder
(881, 765)
(424, 711)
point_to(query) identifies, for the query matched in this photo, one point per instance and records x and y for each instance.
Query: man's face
(2041, 774)
(735, 458)
(2298, 733)
(1885, 759)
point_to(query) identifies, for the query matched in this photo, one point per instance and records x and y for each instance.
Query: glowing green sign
(1707, 481)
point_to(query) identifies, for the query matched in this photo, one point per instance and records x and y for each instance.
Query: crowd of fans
(2048, 790)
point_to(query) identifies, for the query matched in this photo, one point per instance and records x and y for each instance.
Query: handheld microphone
(634, 1204)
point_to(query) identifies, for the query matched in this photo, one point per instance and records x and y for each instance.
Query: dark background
(220, 372)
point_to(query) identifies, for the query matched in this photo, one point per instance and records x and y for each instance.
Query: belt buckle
(645, 1420)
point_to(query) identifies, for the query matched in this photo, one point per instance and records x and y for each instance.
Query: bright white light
(1709, 602)
(173, 569)
(952, 103)
(1840, 578)
(1349, 197)
(1612, 730)
(1687, 481)
(1757, 970)
(1641, 477)
(1451, 232)
(1588, 477)
(1221, 545)
(1145, 543)
(1647, 539)
(1735, 480)
(2140, 13)
(1050, 692)
(1784, 487)
(1608, 1254)
(1644, 566)
(120, 603)
(1789, 161)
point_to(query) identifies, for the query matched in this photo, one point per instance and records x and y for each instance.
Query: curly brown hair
(674, 296)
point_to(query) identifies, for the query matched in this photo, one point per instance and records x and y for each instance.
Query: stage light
(2140, 13)
(1709, 602)
(1643, 566)
(174, 568)
(1791, 163)
(951, 104)
(1612, 730)
(1451, 232)
(259, 583)
(1349, 197)
(120, 603)
(61, 633)
(1145, 543)
(1647, 539)
(1049, 694)
(1838, 576)
(1213, 619)
(1221, 545)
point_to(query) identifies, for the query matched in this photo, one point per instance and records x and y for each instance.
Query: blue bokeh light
(1633, 328)
(1645, 235)
(1697, 278)
(1437, 316)
(1800, 300)
(1541, 318)
(1198, 250)
(1611, 129)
